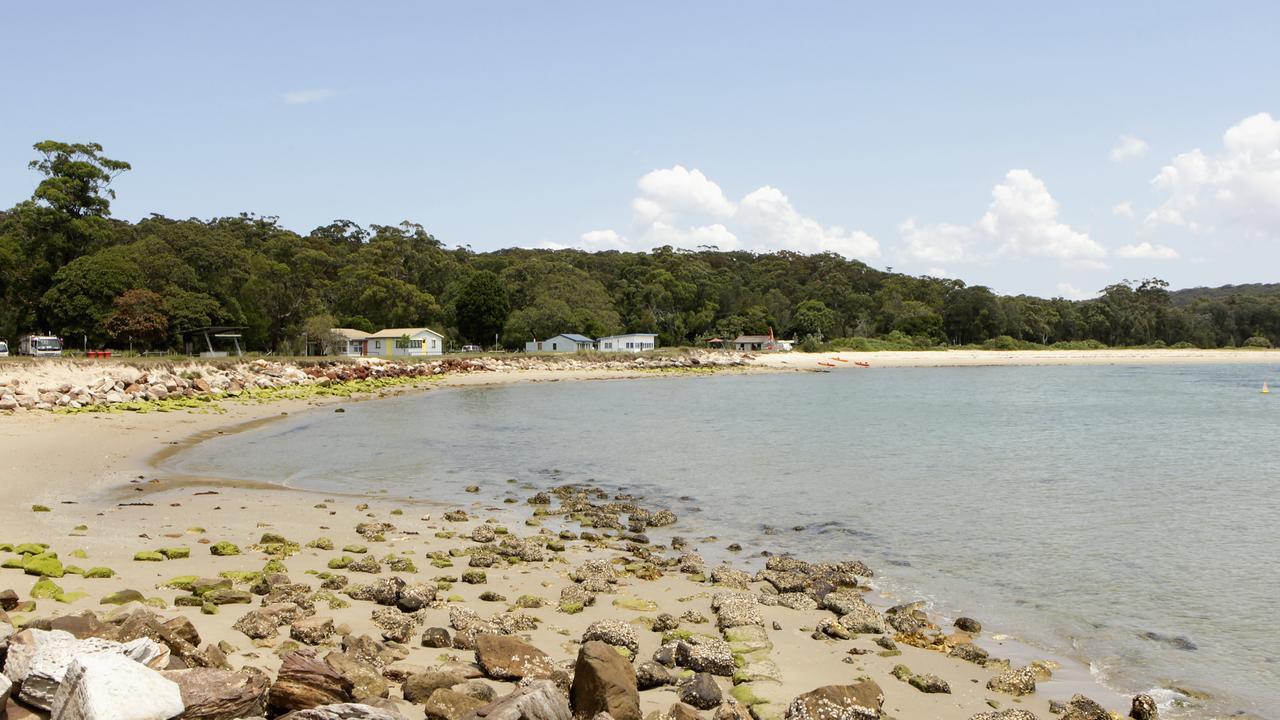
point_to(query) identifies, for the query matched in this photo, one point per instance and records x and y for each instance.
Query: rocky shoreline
(569, 603)
(119, 386)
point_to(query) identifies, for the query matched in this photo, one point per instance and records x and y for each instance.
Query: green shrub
(1257, 341)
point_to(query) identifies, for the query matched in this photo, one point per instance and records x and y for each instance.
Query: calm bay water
(1078, 508)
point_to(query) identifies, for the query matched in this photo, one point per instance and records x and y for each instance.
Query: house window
(554, 346)
(433, 344)
(630, 346)
(608, 346)
(377, 344)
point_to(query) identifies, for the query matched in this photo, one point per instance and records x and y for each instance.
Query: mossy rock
(746, 695)
(224, 549)
(30, 548)
(99, 573)
(73, 570)
(902, 672)
(208, 609)
(677, 634)
(158, 603)
(240, 576)
(187, 601)
(273, 539)
(889, 653)
(196, 530)
(121, 597)
(45, 564)
(79, 554)
(176, 553)
(635, 604)
(401, 564)
(445, 534)
(441, 563)
(397, 511)
(475, 577)
(321, 544)
(70, 597)
(355, 549)
(275, 566)
(340, 563)
(200, 586)
(6, 547)
(571, 608)
(13, 564)
(40, 508)
(455, 599)
(148, 556)
(529, 601)
(182, 582)
(45, 589)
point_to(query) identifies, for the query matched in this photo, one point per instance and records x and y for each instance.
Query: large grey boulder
(343, 711)
(539, 700)
(6, 686)
(37, 660)
(108, 686)
(861, 700)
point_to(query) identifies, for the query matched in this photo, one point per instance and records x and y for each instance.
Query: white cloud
(683, 208)
(942, 243)
(602, 240)
(1239, 185)
(1128, 147)
(661, 233)
(1021, 221)
(1122, 209)
(1024, 217)
(1071, 292)
(768, 215)
(670, 193)
(1146, 251)
(306, 97)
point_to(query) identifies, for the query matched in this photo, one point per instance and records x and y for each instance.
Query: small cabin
(404, 342)
(631, 342)
(353, 341)
(761, 343)
(562, 343)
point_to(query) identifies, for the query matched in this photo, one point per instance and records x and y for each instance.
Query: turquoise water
(1077, 508)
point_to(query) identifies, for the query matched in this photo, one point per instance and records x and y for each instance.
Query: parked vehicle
(4, 349)
(40, 346)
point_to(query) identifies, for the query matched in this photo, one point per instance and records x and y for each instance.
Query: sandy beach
(107, 501)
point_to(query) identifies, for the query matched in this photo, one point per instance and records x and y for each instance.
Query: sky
(1050, 150)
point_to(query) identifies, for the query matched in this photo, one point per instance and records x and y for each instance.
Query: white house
(564, 342)
(352, 341)
(631, 342)
(399, 342)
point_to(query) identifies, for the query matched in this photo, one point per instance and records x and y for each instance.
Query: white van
(4, 349)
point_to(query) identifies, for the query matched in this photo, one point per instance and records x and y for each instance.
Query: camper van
(40, 346)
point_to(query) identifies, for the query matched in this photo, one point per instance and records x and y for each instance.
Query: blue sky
(996, 142)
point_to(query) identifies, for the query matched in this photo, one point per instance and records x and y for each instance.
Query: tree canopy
(67, 267)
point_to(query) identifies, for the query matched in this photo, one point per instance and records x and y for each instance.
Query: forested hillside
(68, 267)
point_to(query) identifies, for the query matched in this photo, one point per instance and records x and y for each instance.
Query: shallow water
(1078, 508)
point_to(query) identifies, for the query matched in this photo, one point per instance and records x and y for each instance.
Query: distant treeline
(68, 268)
